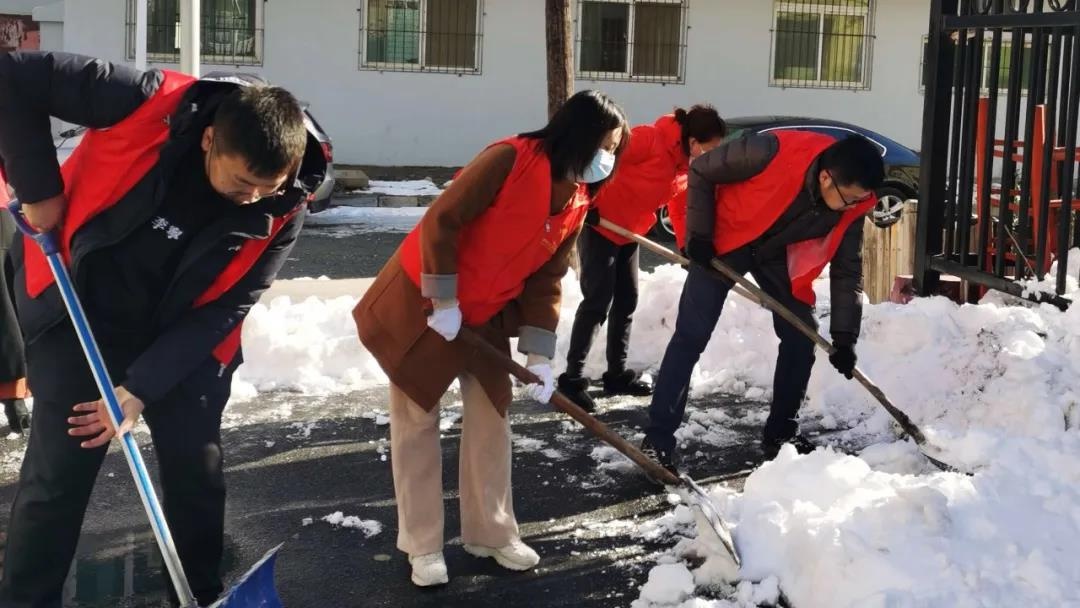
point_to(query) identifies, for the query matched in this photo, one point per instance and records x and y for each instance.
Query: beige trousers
(487, 511)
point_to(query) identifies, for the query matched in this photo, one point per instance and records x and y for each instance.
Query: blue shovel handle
(50, 245)
(48, 241)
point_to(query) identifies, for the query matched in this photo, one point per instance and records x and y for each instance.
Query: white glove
(541, 366)
(446, 319)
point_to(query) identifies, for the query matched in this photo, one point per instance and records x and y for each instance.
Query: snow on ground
(993, 386)
(369, 527)
(358, 220)
(408, 187)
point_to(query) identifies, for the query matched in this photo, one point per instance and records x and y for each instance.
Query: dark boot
(17, 415)
(771, 447)
(625, 382)
(576, 389)
(669, 459)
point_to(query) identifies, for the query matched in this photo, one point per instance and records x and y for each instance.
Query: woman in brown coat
(490, 253)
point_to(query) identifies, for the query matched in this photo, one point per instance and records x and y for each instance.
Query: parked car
(901, 162)
(324, 193)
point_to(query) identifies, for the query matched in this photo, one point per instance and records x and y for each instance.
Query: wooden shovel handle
(563, 403)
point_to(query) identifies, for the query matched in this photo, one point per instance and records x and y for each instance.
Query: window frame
(255, 59)
(421, 67)
(821, 9)
(628, 76)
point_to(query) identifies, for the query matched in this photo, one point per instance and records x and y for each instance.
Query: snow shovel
(255, 589)
(615, 440)
(752, 292)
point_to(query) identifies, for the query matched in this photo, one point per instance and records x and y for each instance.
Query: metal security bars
(1003, 63)
(632, 40)
(442, 36)
(998, 198)
(231, 31)
(822, 44)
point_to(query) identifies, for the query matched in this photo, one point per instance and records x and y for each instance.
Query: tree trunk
(560, 67)
(560, 63)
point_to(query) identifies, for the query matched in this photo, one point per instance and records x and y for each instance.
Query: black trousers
(702, 301)
(57, 475)
(609, 283)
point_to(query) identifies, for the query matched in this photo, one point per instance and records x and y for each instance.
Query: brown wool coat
(391, 318)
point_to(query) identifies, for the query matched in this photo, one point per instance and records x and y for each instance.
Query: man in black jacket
(753, 201)
(186, 197)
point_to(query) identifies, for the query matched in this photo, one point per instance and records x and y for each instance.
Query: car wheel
(663, 224)
(889, 208)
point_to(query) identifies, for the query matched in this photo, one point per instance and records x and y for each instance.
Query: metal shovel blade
(712, 515)
(255, 589)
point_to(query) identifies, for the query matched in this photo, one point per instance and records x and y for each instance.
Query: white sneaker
(428, 569)
(515, 556)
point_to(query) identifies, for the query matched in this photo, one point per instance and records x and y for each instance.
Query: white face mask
(603, 162)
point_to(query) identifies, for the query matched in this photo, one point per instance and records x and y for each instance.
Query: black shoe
(669, 459)
(625, 382)
(771, 447)
(17, 416)
(576, 389)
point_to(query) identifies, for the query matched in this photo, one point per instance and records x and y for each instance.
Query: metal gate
(998, 201)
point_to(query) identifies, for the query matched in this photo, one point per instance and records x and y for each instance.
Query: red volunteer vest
(104, 167)
(509, 241)
(744, 211)
(677, 210)
(644, 179)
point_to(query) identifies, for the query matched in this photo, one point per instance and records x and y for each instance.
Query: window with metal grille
(632, 40)
(1003, 66)
(422, 35)
(231, 31)
(824, 44)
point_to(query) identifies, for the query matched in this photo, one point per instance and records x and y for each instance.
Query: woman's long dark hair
(576, 131)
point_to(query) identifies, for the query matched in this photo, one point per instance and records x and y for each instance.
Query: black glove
(701, 251)
(592, 218)
(843, 359)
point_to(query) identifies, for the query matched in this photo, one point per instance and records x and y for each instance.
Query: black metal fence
(998, 199)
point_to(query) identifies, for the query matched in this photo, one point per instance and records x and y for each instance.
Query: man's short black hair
(854, 160)
(265, 126)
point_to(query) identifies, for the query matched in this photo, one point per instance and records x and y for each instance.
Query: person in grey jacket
(780, 206)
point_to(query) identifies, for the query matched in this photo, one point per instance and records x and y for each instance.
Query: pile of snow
(994, 386)
(369, 527)
(838, 533)
(308, 346)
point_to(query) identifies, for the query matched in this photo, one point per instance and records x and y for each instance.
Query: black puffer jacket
(805, 217)
(173, 337)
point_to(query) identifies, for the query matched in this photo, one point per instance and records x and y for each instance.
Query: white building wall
(443, 119)
(18, 7)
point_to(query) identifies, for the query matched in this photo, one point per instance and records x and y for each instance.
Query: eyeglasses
(847, 203)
